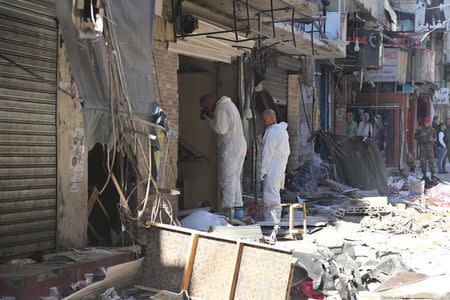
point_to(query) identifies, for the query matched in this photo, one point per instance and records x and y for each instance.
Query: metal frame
(317, 25)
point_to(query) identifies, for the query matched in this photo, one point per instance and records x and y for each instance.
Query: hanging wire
(120, 98)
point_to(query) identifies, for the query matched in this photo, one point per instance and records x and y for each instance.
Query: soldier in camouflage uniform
(426, 139)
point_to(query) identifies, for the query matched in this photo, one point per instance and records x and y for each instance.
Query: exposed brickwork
(166, 89)
(293, 115)
(165, 67)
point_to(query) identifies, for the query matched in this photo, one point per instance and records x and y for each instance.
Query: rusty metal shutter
(28, 36)
(275, 83)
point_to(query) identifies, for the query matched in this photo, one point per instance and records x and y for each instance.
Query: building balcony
(293, 27)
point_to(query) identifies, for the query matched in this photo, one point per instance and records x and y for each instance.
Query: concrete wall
(293, 116)
(341, 106)
(72, 191)
(307, 115)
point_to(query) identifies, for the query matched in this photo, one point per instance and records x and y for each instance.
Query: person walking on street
(365, 127)
(378, 133)
(223, 117)
(435, 126)
(351, 125)
(441, 148)
(447, 140)
(273, 163)
(426, 139)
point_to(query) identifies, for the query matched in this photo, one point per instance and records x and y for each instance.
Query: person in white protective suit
(273, 163)
(223, 117)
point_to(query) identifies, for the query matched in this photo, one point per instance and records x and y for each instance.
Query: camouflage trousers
(426, 156)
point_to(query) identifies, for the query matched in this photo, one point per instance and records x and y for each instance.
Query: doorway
(197, 163)
(197, 157)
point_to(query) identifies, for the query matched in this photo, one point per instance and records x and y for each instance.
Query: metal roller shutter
(28, 36)
(275, 83)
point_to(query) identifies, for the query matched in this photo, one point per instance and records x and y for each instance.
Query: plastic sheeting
(130, 24)
(358, 160)
(203, 220)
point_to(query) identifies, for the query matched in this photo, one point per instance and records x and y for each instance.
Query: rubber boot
(228, 212)
(238, 212)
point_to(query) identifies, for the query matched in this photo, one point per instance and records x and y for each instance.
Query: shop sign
(424, 65)
(395, 62)
(432, 15)
(441, 96)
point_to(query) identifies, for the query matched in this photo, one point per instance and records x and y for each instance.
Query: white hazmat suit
(231, 149)
(274, 158)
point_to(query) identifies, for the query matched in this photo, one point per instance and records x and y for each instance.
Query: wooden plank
(215, 267)
(119, 276)
(291, 219)
(212, 274)
(94, 232)
(99, 201)
(165, 257)
(288, 288)
(214, 236)
(268, 271)
(92, 198)
(190, 262)
(244, 232)
(292, 223)
(305, 227)
(237, 266)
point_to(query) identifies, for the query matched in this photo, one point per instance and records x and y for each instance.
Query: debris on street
(233, 149)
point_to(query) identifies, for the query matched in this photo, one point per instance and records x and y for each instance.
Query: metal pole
(248, 18)
(174, 23)
(235, 21)
(273, 18)
(292, 28)
(259, 30)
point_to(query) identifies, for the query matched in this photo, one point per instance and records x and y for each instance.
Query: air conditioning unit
(404, 89)
(371, 53)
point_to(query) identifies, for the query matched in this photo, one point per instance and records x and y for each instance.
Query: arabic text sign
(441, 96)
(394, 67)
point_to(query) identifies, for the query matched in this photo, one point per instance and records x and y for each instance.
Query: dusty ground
(419, 236)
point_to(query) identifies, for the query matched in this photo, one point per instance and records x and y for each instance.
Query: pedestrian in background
(351, 125)
(441, 148)
(447, 139)
(365, 127)
(378, 133)
(435, 126)
(426, 139)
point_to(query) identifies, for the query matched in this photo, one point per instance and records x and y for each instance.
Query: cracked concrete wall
(72, 190)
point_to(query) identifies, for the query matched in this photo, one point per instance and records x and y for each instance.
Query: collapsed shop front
(197, 159)
(206, 67)
(388, 120)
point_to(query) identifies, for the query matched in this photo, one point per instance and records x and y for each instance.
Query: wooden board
(263, 275)
(118, 276)
(165, 258)
(213, 269)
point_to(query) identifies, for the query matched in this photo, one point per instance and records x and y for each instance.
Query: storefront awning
(219, 48)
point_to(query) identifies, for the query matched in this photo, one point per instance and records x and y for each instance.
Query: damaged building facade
(50, 159)
(89, 153)
(307, 63)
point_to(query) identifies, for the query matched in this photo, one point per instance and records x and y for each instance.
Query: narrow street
(232, 149)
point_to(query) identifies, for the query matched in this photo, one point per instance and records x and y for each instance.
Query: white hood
(282, 125)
